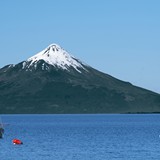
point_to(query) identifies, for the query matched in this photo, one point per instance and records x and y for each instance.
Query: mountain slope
(53, 81)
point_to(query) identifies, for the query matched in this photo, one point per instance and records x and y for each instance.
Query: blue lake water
(81, 137)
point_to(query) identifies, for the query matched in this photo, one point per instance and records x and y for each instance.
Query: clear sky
(118, 37)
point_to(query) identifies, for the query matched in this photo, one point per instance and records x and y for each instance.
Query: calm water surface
(81, 137)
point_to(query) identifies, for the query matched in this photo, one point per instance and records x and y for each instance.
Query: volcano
(54, 81)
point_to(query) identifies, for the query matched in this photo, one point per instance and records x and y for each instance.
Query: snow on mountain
(56, 56)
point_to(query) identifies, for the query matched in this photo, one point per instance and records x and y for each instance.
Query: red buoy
(17, 141)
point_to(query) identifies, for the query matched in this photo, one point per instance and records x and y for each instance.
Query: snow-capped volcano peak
(56, 56)
(53, 48)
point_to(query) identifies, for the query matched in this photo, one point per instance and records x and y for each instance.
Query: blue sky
(118, 37)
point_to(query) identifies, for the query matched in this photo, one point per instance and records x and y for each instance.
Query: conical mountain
(54, 81)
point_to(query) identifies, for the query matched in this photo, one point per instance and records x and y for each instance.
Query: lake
(81, 137)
